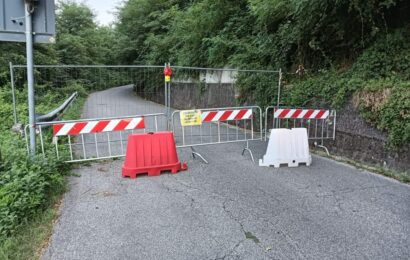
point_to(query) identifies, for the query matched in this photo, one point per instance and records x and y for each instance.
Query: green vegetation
(28, 242)
(379, 81)
(28, 189)
(350, 48)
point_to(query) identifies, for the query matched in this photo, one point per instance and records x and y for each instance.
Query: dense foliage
(258, 33)
(345, 45)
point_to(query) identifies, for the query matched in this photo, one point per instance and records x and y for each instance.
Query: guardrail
(58, 111)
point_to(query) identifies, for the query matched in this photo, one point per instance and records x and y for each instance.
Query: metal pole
(169, 98)
(166, 93)
(279, 86)
(13, 92)
(168, 105)
(30, 74)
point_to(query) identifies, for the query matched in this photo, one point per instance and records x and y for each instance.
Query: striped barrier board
(284, 113)
(100, 126)
(226, 115)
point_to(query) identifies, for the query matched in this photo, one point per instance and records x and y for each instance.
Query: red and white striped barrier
(76, 128)
(301, 113)
(226, 115)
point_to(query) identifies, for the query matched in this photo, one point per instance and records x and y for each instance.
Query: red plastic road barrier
(151, 153)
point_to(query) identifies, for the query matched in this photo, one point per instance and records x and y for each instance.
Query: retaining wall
(355, 139)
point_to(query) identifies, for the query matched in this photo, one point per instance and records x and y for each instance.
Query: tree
(79, 39)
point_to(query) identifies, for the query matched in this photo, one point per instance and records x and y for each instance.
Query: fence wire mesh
(113, 89)
(121, 91)
(208, 88)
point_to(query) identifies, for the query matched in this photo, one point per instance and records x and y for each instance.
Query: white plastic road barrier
(287, 146)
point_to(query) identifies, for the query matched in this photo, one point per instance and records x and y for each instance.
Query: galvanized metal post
(166, 93)
(29, 9)
(279, 88)
(169, 98)
(13, 92)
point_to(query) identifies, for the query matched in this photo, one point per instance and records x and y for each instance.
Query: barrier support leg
(194, 152)
(249, 150)
(323, 147)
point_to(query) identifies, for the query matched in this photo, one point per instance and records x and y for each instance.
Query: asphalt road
(230, 209)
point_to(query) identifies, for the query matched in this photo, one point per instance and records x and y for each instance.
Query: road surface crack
(247, 234)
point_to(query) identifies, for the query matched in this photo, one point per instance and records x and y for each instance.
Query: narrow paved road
(230, 209)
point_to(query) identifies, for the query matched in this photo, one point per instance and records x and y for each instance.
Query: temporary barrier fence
(217, 126)
(320, 123)
(102, 138)
(124, 90)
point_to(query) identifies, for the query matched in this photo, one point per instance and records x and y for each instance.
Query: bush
(26, 184)
(386, 104)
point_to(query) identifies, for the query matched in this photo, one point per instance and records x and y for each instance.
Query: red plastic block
(151, 153)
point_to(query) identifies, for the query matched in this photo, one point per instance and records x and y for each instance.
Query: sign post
(168, 74)
(28, 21)
(29, 9)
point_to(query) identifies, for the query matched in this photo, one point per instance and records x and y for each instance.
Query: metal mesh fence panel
(130, 90)
(104, 84)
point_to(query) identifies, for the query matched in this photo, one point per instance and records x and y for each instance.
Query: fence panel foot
(323, 147)
(195, 153)
(249, 150)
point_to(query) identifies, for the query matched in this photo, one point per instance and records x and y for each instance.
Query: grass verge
(76, 109)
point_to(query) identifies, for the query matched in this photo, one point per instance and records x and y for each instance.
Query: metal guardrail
(58, 111)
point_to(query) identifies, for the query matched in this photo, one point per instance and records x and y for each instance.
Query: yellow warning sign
(167, 78)
(190, 117)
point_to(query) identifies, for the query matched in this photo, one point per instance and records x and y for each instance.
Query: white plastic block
(287, 146)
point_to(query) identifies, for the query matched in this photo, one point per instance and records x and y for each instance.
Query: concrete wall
(194, 95)
(358, 140)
